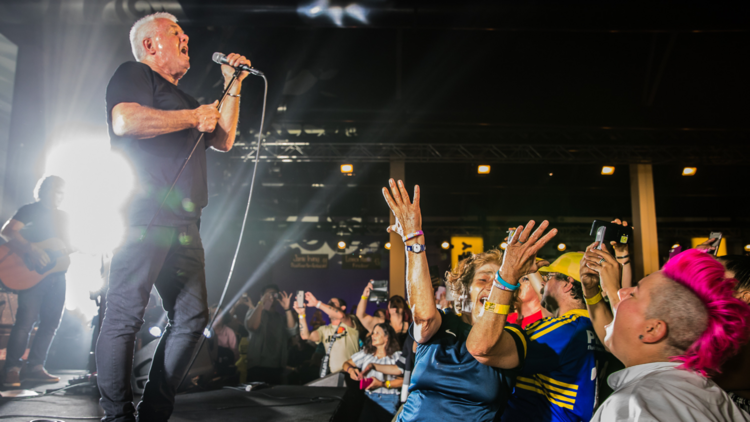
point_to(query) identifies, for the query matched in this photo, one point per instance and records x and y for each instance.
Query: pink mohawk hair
(727, 318)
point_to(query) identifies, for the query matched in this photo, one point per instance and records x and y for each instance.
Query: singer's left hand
(234, 60)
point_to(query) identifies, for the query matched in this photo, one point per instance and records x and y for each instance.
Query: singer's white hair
(143, 28)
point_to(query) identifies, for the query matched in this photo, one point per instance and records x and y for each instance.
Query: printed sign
(370, 261)
(309, 262)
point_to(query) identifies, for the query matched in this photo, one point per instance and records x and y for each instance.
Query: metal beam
(576, 154)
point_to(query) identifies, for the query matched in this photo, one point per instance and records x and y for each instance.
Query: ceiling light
(561, 247)
(445, 245)
(342, 244)
(483, 169)
(608, 170)
(503, 245)
(675, 246)
(689, 171)
(347, 168)
(388, 245)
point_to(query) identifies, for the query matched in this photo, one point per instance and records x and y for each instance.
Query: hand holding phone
(300, 298)
(716, 236)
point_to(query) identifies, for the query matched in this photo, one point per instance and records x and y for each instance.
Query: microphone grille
(217, 57)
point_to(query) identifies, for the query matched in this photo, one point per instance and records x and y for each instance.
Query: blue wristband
(505, 283)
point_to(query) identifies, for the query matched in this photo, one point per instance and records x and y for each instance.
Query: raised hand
(310, 300)
(408, 215)
(285, 299)
(234, 60)
(368, 289)
(707, 246)
(604, 264)
(519, 258)
(589, 277)
(206, 117)
(354, 373)
(376, 383)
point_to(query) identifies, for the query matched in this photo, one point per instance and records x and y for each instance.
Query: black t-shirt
(156, 161)
(42, 223)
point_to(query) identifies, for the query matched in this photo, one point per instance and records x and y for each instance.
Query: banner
(308, 262)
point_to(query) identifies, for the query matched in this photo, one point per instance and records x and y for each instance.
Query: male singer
(155, 125)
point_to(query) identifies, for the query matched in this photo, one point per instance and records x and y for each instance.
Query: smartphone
(300, 298)
(600, 232)
(717, 242)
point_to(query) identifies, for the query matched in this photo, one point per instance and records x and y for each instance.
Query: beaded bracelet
(413, 235)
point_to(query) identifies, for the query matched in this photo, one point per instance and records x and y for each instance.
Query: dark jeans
(171, 258)
(44, 303)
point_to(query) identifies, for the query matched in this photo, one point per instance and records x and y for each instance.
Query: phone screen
(600, 237)
(716, 243)
(300, 298)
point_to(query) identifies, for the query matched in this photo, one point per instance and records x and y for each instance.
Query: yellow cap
(568, 264)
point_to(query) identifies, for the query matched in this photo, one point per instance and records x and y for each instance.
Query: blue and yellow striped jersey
(559, 378)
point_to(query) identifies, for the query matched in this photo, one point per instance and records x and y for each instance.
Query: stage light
(676, 245)
(342, 244)
(608, 170)
(503, 245)
(689, 171)
(207, 332)
(336, 14)
(347, 168)
(483, 169)
(561, 247)
(445, 245)
(551, 174)
(388, 245)
(747, 248)
(155, 331)
(357, 12)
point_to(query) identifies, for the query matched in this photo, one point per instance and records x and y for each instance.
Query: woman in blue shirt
(448, 383)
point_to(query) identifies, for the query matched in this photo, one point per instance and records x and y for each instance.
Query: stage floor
(279, 403)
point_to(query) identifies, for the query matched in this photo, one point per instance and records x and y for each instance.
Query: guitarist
(44, 302)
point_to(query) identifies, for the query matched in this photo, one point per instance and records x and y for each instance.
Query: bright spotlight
(503, 245)
(445, 245)
(561, 247)
(342, 244)
(608, 170)
(155, 331)
(357, 12)
(483, 169)
(97, 184)
(387, 245)
(314, 9)
(689, 171)
(747, 248)
(207, 332)
(347, 168)
(336, 14)
(675, 246)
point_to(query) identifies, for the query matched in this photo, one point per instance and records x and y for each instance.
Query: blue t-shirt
(558, 380)
(448, 384)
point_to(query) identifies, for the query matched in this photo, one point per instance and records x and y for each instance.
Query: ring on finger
(520, 242)
(601, 260)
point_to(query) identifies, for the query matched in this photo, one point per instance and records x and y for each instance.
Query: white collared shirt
(661, 392)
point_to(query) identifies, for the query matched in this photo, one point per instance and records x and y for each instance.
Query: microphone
(222, 59)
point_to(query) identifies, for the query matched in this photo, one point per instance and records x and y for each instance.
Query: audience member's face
(526, 292)
(52, 198)
(394, 311)
(630, 316)
(552, 289)
(267, 305)
(334, 302)
(378, 337)
(481, 286)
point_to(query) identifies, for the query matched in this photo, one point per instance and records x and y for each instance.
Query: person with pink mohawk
(672, 330)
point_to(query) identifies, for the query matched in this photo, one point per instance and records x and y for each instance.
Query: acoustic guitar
(17, 273)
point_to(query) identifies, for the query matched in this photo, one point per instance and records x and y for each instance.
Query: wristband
(232, 95)
(317, 305)
(594, 300)
(413, 235)
(388, 384)
(497, 308)
(623, 257)
(302, 316)
(500, 280)
(626, 263)
(365, 297)
(500, 286)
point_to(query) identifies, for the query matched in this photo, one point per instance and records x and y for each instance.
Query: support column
(398, 251)
(645, 251)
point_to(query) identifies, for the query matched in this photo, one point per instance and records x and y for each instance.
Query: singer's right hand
(206, 117)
